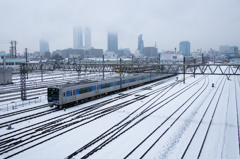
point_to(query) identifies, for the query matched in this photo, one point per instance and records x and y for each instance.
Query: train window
(132, 80)
(64, 94)
(77, 91)
(74, 92)
(68, 93)
(106, 85)
(71, 93)
(85, 90)
(93, 88)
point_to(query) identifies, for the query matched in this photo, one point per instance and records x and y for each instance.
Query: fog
(206, 24)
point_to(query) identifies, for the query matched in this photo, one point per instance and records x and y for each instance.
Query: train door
(74, 95)
(68, 96)
(97, 90)
(64, 98)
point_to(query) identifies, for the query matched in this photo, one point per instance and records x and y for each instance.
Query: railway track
(25, 118)
(88, 116)
(124, 125)
(23, 111)
(201, 121)
(17, 97)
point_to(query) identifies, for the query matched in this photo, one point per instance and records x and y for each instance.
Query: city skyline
(206, 24)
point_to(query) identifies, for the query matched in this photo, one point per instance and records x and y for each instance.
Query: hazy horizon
(205, 24)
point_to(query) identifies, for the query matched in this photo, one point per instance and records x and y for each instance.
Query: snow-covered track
(122, 127)
(87, 115)
(23, 111)
(221, 86)
(28, 117)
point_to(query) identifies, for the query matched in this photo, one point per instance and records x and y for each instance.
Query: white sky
(206, 24)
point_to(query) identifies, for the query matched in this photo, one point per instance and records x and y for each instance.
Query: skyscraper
(77, 37)
(112, 41)
(140, 44)
(184, 47)
(44, 47)
(87, 35)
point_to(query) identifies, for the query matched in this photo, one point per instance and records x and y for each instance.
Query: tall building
(184, 47)
(87, 34)
(44, 47)
(223, 49)
(140, 44)
(77, 37)
(112, 41)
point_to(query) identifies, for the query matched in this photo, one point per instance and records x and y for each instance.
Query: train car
(65, 95)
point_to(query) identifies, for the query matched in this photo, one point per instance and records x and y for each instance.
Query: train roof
(77, 83)
(86, 82)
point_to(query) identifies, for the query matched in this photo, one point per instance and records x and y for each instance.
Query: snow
(222, 139)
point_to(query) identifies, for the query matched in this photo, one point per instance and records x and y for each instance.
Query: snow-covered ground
(174, 120)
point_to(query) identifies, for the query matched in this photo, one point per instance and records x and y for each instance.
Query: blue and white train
(68, 94)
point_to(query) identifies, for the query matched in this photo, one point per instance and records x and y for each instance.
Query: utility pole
(184, 70)
(41, 69)
(132, 63)
(103, 66)
(194, 68)
(120, 69)
(15, 49)
(4, 66)
(26, 59)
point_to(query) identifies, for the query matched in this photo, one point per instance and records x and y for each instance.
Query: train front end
(53, 96)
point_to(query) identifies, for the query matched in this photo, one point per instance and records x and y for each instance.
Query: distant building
(137, 53)
(112, 39)
(223, 49)
(55, 53)
(77, 53)
(44, 47)
(77, 37)
(36, 53)
(233, 49)
(5, 76)
(94, 53)
(171, 57)
(110, 55)
(126, 53)
(184, 47)
(197, 56)
(47, 55)
(232, 52)
(73, 53)
(150, 51)
(140, 44)
(87, 34)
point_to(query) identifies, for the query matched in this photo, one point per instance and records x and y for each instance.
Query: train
(62, 96)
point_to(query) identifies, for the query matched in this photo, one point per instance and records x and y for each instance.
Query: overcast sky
(205, 23)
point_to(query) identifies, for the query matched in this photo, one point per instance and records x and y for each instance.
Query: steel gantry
(122, 68)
